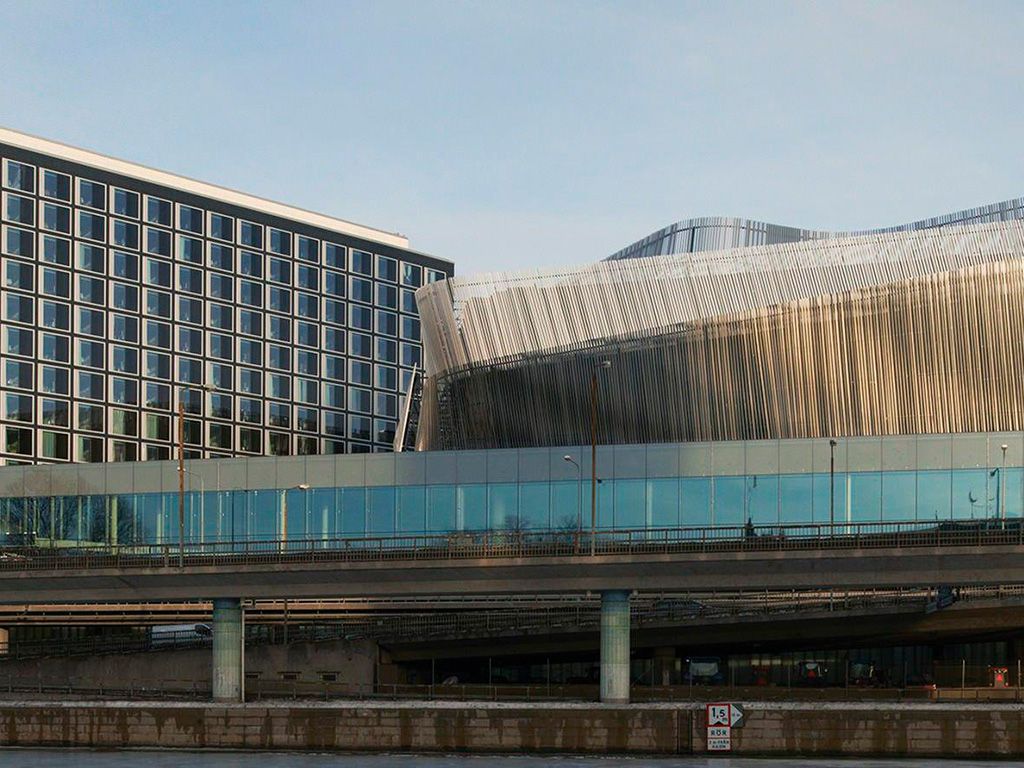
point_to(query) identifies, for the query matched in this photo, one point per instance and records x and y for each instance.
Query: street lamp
(604, 364)
(179, 389)
(579, 497)
(832, 486)
(284, 509)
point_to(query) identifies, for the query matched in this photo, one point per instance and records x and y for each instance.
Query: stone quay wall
(920, 730)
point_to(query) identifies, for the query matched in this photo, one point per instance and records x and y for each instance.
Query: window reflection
(562, 505)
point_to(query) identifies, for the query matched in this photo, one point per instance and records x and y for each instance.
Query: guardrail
(520, 544)
(308, 690)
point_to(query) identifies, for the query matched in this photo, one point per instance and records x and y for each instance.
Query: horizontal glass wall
(316, 513)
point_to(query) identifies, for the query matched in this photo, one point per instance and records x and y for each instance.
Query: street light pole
(593, 450)
(284, 511)
(832, 486)
(579, 498)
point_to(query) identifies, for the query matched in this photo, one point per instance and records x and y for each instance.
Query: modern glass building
(924, 479)
(124, 290)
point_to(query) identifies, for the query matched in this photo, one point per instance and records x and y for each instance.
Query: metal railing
(260, 689)
(521, 544)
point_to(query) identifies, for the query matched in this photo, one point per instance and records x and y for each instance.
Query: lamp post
(181, 465)
(1002, 486)
(284, 510)
(832, 486)
(579, 497)
(604, 364)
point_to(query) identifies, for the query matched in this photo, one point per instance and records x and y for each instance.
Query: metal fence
(521, 544)
(305, 690)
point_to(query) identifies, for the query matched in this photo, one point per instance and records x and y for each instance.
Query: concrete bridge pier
(615, 646)
(228, 649)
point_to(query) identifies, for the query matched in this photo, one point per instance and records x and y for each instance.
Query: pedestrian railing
(487, 545)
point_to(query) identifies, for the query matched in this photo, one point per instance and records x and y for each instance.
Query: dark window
(222, 257)
(222, 227)
(92, 258)
(309, 249)
(158, 242)
(56, 250)
(158, 212)
(126, 203)
(92, 194)
(126, 265)
(281, 242)
(56, 185)
(19, 242)
(362, 263)
(190, 219)
(91, 226)
(56, 218)
(250, 234)
(334, 255)
(20, 176)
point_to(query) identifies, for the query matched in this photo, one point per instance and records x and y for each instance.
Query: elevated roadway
(615, 564)
(860, 556)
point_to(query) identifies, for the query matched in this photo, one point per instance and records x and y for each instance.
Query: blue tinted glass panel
(630, 504)
(381, 516)
(503, 506)
(441, 508)
(567, 501)
(865, 497)
(353, 511)
(899, 495)
(412, 509)
(663, 502)
(695, 500)
(730, 500)
(535, 507)
(796, 499)
(472, 507)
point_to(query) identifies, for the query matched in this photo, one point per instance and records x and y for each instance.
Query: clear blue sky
(507, 135)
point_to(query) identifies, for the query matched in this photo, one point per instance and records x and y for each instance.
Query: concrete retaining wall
(348, 662)
(923, 730)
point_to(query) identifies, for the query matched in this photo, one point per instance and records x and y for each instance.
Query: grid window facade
(120, 298)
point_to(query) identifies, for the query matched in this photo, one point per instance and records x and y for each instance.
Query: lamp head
(302, 487)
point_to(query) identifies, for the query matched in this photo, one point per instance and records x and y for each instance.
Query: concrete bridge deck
(866, 555)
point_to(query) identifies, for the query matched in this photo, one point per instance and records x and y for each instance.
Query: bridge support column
(615, 646)
(228, 647)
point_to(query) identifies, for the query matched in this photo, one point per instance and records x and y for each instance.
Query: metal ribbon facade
(899, 333)
(716, 233)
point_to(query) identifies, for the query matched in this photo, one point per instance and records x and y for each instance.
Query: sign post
(721, 719)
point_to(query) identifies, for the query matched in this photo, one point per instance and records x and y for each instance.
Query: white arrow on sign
(735, 715)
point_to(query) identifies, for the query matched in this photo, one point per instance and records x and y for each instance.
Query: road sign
(721, 719)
